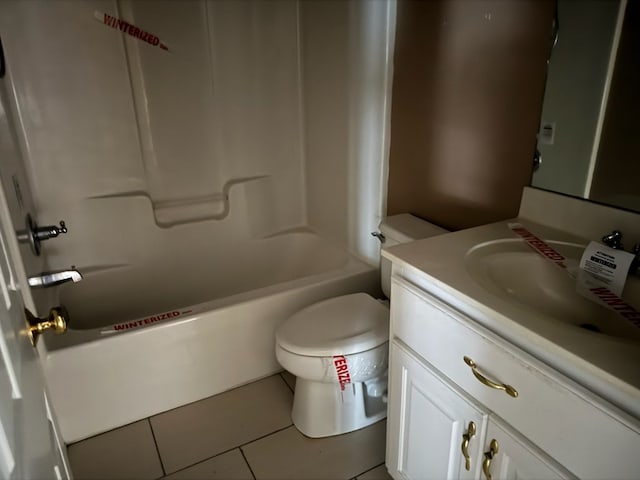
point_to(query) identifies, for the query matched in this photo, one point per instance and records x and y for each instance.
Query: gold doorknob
(57, 321)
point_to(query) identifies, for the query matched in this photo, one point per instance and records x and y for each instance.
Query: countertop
(604, 364)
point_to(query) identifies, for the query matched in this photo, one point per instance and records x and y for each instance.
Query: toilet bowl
(338, 350)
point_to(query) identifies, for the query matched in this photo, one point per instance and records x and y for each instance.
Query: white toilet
(338, 349)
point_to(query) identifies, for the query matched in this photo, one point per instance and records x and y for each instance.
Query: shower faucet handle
(51, 231)
(380, 236)
(33, 234)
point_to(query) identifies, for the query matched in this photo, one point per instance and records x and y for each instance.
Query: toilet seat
(338, 326)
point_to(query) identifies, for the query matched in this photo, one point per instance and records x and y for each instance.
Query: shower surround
(186, 139)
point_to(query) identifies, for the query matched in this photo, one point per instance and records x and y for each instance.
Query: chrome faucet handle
(613, 240)
(380, 236)
(50, 279)
(52, 231)
(33, 234)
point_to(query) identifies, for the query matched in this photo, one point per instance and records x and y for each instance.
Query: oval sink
(513, 271)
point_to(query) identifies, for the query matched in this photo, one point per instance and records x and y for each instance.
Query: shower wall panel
(114, 127)
(347, 50)
(74, 102)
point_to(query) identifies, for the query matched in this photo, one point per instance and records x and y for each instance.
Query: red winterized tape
(130, 29)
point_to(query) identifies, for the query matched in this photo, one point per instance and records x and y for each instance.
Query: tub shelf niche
(179, 211)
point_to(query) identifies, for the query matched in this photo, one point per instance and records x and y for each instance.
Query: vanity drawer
(573, 426)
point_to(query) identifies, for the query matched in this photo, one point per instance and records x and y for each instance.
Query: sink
(514, 272)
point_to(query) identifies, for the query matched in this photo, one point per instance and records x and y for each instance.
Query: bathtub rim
(76, 337)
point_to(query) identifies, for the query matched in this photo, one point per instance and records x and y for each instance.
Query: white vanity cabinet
(550, 428)
(428, 421)
(434, 431)
(508, 455)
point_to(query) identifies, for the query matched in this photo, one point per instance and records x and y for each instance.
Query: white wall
(347, 50)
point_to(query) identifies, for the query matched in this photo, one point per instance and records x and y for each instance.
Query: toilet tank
(402, 228)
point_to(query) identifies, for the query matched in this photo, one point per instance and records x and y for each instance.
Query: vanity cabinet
(427, 421)
(434, 431)
(447, 373)
(508, 455)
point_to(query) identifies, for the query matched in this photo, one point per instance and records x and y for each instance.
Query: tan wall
(467, 94)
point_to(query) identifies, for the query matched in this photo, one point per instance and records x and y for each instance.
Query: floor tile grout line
(105, 432)
(368, 470)
(279, 374)
(155, 442)
(209, 396)
(210, 458)
(204, 460)
(286, 383)
(247, 462)
(239, 447)
(265, 436)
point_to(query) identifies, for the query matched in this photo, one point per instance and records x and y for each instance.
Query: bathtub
(152, 336)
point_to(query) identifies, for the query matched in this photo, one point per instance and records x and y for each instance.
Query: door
(29, 444)
(508, 456)
(30, 447)
(430, 424)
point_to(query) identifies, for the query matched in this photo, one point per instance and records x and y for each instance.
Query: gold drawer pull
(466, 438)
(489, 383)
(488, 456)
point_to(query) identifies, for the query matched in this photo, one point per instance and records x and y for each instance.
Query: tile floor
(245, 433)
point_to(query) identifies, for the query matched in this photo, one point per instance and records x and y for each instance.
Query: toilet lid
(338, 326)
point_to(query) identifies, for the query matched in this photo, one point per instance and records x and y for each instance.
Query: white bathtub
(147, 338)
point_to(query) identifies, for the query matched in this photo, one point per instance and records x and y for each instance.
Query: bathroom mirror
(589, 140)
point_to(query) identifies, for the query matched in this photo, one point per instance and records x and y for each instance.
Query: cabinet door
(513, 457)
(426, 423)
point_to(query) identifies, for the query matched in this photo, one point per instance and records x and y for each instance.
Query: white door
(429, 424)
(508, 456)
(29, 445)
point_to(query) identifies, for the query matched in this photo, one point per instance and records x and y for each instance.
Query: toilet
(338, 349)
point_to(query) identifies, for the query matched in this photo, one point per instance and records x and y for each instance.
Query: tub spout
(50, 279)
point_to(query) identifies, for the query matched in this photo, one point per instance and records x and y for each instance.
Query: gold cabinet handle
(466, 438)
(489, 383)
(488, 456)
(57, 321)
